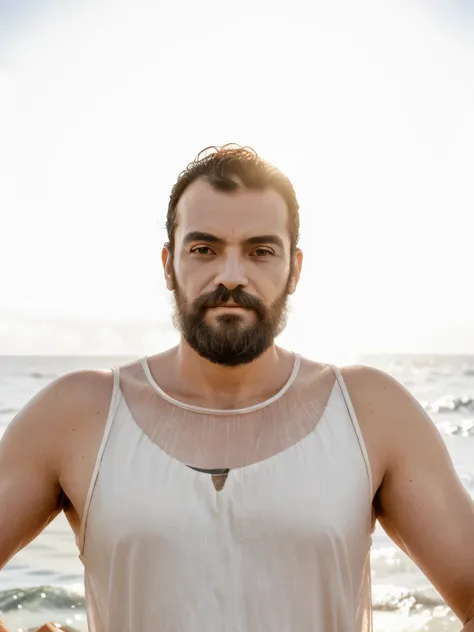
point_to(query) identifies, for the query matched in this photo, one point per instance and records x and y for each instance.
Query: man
(228, 484)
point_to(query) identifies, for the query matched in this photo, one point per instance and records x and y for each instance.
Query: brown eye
(202, 250)
(261, 252)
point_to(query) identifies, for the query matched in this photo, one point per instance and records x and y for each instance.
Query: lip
(228, 306)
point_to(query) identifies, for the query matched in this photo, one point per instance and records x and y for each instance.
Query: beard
(230, 342)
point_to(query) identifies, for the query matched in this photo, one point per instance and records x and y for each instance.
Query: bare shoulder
(386, 406)
(380, 398)
(393, 423)
(58, 409)
(79, 414)
(384, 410)
(66, 398)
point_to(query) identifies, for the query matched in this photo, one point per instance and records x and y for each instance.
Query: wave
(37, 375)
(463, 428)
(8, 411)
(450, 404)
(41, 598)
(393, 599)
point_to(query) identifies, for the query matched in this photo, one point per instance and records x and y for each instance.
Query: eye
(262, 252)
(202, 250)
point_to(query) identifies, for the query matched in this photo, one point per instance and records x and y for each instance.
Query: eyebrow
(266, 239)
(196, 235)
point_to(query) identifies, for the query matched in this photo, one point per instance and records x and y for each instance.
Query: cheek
(272, 281)
(190, 281)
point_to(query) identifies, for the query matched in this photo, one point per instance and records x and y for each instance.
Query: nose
(231, 273)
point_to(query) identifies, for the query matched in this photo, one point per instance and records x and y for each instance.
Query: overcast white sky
(367, 106)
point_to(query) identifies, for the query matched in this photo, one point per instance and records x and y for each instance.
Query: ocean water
(44, 582)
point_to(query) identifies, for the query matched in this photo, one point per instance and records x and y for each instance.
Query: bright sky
(367, 106)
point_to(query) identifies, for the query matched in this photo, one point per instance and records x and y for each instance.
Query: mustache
(221, 295)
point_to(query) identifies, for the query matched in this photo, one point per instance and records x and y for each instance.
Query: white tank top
(283, 546)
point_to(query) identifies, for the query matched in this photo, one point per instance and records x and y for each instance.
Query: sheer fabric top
(278, 539)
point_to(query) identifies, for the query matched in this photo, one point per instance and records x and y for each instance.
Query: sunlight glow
(366, 106)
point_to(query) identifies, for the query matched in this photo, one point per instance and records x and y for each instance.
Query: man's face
(232, 271)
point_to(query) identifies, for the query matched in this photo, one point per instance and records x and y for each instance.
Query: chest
(305, 496)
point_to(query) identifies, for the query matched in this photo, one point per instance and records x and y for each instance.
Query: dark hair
(221, 166)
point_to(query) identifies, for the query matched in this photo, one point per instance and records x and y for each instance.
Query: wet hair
(229, 168)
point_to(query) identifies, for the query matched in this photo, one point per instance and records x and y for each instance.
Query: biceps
(25, 511)
(29, 496)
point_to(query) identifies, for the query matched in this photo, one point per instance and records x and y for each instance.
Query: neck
(231, 387)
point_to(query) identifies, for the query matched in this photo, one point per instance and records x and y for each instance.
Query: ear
(167, 261)
(296, 272)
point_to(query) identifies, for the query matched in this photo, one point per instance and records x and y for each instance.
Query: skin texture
(259, 267)
(47, 455)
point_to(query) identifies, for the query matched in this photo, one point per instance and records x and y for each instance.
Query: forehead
(231, 215)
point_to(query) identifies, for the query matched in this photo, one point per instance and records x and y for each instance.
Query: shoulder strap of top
(112, 410)
(354, 421)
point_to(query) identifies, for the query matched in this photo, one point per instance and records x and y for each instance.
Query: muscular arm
(421, 502)
(30, 457)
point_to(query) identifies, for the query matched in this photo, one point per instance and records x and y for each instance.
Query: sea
(44, 581)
